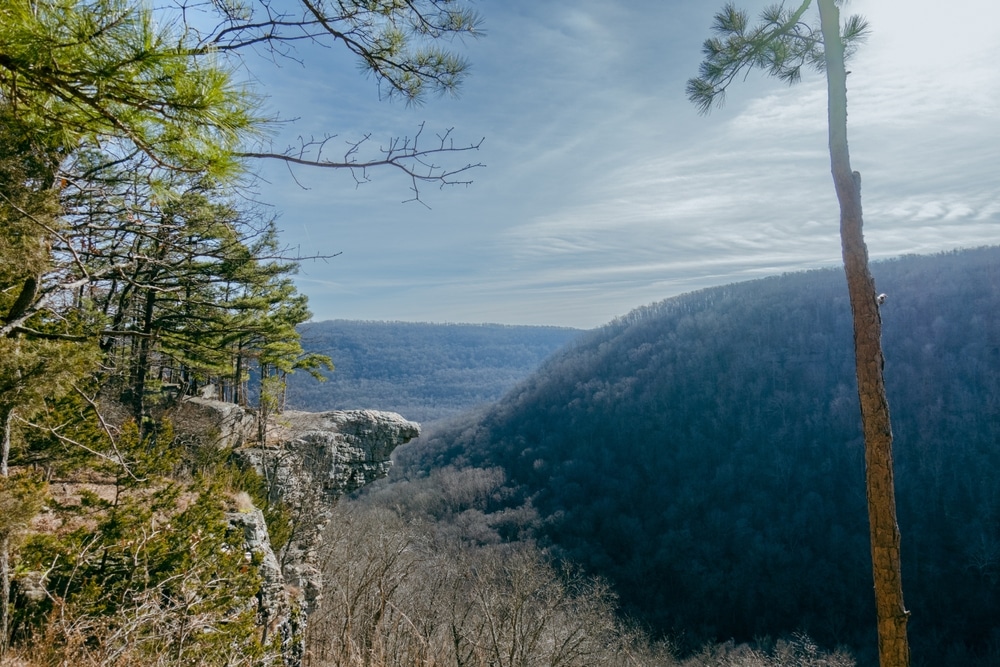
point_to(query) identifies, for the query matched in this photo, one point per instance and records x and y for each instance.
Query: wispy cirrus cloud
(604, 189)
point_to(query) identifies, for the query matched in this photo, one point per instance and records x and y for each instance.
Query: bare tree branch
(403, 153)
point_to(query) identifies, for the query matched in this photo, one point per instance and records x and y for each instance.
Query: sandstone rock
(213, 423)
(274, 609)
(309, 460)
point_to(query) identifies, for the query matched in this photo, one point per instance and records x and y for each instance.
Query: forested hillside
(438, 571)
(704, 454)
(422, 371)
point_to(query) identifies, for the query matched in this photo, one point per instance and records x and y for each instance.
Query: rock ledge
(309, 460)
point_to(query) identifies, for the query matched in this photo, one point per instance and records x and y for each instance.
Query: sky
(604, 190)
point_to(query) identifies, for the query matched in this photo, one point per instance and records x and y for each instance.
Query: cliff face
(343, 450)
(212, 423)
(309, 460)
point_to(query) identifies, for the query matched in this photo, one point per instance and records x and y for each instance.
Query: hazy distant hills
(422, 371)
(704, 454)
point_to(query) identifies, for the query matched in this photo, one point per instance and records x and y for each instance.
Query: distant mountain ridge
(704, 454)
(423, 371)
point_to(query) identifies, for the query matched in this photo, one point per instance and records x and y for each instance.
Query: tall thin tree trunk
(238, 394)
(5, 592)
(892, 616)
(6, 417)
(142, 364)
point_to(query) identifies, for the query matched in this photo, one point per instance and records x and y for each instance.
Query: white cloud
(604, 190)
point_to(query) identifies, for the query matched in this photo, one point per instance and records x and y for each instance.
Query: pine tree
(782, 44)
(125, 259)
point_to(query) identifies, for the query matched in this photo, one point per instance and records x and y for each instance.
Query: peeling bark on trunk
(892, 616)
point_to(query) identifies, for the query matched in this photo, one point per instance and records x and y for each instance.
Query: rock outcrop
(213, 423)
(309, 460)
(275, 613)
(312, 459)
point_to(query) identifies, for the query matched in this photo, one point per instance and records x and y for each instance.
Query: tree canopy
(125, 135)
(135, 261)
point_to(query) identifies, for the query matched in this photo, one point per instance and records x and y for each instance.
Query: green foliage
(135, 561)
(33, 374)
(67, 435)
(47, 363)
(130, 263)
(277, 514)
(122, 130)
(266, 314)
(27, 159)
(780, 44)
(399, 43)
(155, 571)
(106, 69)
(207, 295)
(21, 498)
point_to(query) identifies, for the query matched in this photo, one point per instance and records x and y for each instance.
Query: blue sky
(604, 190)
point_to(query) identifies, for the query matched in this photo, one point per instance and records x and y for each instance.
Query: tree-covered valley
(703, 454)
(683, 487)
(423, 371)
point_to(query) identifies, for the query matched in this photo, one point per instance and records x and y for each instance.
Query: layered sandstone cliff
(308, 461)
